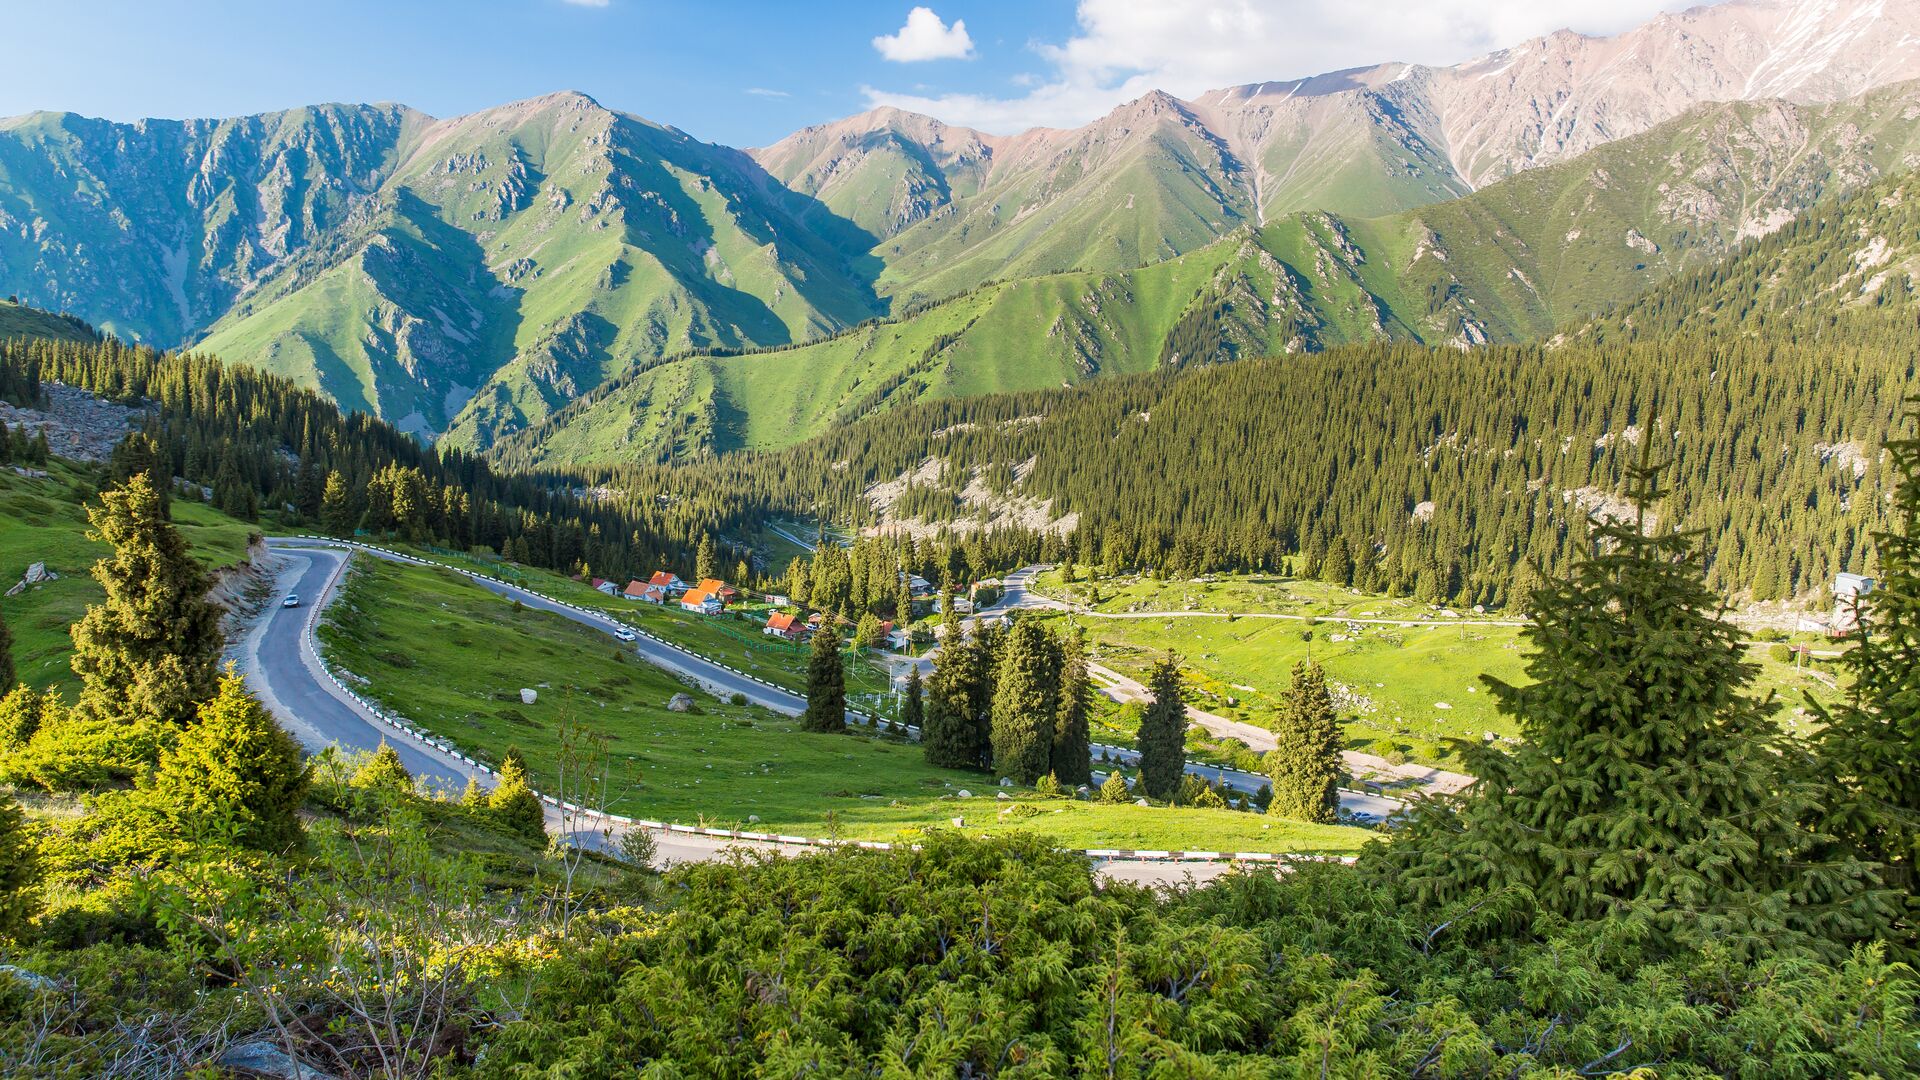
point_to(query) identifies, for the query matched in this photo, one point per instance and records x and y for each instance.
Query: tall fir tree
(151, 649)
(337, 515)
(1869, 747)
(706, 563)
(1026, 700)
(913, 710)
(954, 696)
(1649, 785)
(1305, 762)
(1163, 732)
(235, 766)
(826, 683)
(1072, 738)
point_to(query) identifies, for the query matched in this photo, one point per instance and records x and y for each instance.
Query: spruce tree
(952, 733)
(22, 713)
(1305, 762)
(1869, 748)
(235, 766)
(151, 650)
(140, 455)
(1026, 699)
(913, 711)
(706, 563)
(1649, 784)
(1163, 732)
(19, 869)
(1114, 788)
(513, 802)
(383, 771)
(336, 506)
(7, 676)
(1072, 740)
(826, 683)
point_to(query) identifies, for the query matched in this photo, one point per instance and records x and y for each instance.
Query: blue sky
(742, 73)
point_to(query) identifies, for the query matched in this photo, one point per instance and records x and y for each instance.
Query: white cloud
(761, 91)
(926, 37)
(1124, 48)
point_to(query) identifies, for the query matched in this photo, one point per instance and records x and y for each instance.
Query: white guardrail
(401, 725)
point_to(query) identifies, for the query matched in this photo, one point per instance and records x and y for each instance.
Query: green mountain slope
(1511, 263)
(17, 321)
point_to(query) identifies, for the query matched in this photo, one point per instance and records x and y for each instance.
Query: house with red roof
(780, 624)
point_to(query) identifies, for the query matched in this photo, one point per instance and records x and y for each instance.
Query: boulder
(1006, 781)
(680, 703)
(1002, 796)
(528, 696)
(1141, 802)
(261, 1058)
(753, 819)
(959, 822)
(32, 980)
(963, 793)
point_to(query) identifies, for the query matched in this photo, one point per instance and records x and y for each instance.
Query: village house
(640, 590)
(701, 602)
(726, 593)
(601, 584)
(780, 624)
(666, 582)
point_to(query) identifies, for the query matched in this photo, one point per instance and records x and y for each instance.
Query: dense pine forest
(1451, 475)
(256, 441)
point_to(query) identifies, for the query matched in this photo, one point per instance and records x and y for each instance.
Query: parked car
(624, 634)
(292, 600)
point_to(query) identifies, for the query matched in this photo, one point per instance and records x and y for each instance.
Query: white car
(292, 600)
(624, 634)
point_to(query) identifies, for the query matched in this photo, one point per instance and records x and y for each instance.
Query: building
(701, 602)
(714, 586)
(780, 624)
(1848, 592)
(778, 600)
(669, 583)
(635, 590)
(603, 585)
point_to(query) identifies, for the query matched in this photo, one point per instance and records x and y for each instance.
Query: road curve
(278, 659)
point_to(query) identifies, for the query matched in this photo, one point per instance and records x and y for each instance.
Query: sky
(740, 72)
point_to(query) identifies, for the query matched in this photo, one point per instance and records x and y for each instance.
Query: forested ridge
(1440, 472)
(256, 438)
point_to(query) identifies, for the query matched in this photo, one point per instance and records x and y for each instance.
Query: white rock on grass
(680, 703)
(963, 793)
(528, 696)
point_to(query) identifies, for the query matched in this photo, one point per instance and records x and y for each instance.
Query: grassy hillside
(43, 519)
(18, 320)
(413, 634)
(1510, 263)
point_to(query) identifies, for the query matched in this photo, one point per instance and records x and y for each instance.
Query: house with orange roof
(781, 624)
(701, 602)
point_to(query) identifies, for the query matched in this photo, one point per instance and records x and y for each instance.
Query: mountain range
(478, 277)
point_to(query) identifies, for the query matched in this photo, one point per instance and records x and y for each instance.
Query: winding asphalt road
(278, 658)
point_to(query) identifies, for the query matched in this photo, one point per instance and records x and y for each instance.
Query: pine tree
(1114, 788)
(826, 683)
(151, 651)
(1305, 763)
(1072, 741)
(513, 802)
(336, 506)
(913, 712)
(1869, 748)
(383, 771)
(706, 563)
(139, 455)
(22, 713)
(952, 734)
(235, 766)
(1163, 732)
(1026, 700)
(1649, 785)
(7, 677)
(19, 868)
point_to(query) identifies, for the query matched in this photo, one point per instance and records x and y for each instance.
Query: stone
(1002, 796)
(30, 979)
(1006, 781)
(528, 696)
(261, 1058)
(959, 822)
(680, 703)
(753, 819)
(963, 793)
(1141, 802)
